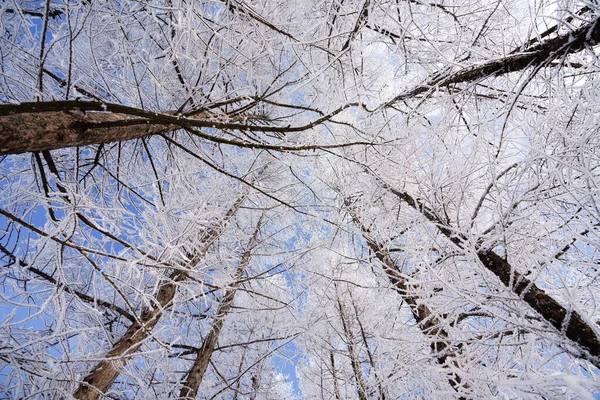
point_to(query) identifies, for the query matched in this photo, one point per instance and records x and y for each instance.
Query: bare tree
(462, 135)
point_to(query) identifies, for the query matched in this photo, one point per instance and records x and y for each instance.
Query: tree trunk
(102, 376)
(427, 321)
(535, 55)
(196, 372)
(35, 130)
(57, 124)
(335, 382)
(567, 321)
(42, 126)
(574, 327)
(363, 335)
(355, 362)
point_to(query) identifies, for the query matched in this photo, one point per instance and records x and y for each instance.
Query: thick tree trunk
(105, 373)
(58, 124)
(102, 376)
(198, 369)
(53, 125)
(567, 321)
(38, 130)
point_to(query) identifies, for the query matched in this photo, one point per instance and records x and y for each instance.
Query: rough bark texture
(198, 369)
(105, 373)
(196, 373)
(569, 322)
(38, 131)
(102, 376)
(58, 124)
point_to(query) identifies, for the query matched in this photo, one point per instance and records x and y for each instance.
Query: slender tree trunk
(236, 391)
(363, 335)
(427, 321)
(355, 362)
(540, 54)
(256, 381)
(336, 387)
(102, 376)
(196, 372)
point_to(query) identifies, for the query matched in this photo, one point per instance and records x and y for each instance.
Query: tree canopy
(260, 199)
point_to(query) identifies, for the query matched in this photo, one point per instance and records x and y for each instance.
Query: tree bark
(565, 321)
(363, 335)
(21, 132)
(536, 55)
(57, 124)
(335, 382)
(102, 376)
(198, 369)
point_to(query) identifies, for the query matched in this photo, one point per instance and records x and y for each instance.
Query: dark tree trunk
(574, 327)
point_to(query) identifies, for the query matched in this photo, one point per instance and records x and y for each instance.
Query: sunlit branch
(63, 286)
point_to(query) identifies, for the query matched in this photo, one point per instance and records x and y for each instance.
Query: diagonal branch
(204, 354)
(63, 286)
(427, 320)
(536, 55)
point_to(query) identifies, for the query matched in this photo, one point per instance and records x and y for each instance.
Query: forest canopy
(262, 199)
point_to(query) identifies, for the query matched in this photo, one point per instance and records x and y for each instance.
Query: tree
(425, 175)
(196, 373)
(104, 374)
